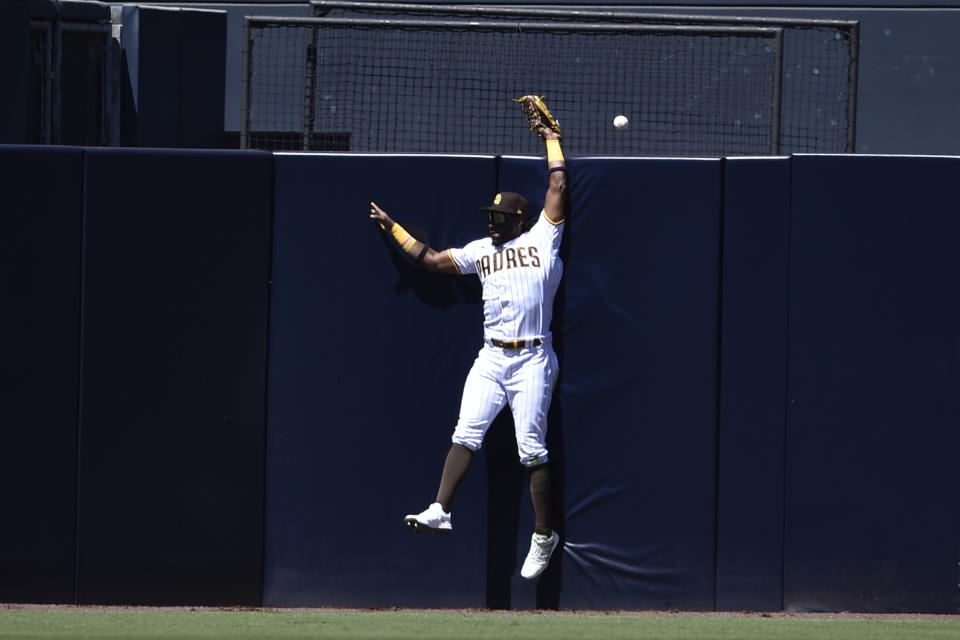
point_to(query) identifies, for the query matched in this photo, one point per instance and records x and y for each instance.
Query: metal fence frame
(774, 33)
(851, 28)
(51, 78)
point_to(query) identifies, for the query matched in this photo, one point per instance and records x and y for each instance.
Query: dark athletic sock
(454, 470)
(540, 494)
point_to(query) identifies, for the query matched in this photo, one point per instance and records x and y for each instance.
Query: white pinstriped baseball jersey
(520, 279)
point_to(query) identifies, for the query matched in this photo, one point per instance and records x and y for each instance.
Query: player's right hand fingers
(378, 215)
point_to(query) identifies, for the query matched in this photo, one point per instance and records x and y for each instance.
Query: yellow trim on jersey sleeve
(559, 222)
(450, 255)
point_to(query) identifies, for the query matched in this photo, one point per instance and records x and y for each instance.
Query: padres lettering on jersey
(520, 279)
(509, 258)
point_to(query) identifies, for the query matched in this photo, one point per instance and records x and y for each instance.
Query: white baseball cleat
(541, 548)
(433, 519)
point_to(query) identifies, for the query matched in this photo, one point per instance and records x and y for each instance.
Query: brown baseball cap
(508, 202)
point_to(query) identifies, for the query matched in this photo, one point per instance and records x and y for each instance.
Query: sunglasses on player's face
(495, 217)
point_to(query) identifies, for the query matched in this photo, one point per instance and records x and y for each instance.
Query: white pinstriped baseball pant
(522, 378)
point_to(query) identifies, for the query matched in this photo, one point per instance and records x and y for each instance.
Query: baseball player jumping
(520, 271)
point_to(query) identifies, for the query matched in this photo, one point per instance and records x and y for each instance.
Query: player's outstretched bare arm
(541, 121)
(555, 202)
(422, 254)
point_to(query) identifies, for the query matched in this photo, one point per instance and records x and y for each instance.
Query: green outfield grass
(452, 625)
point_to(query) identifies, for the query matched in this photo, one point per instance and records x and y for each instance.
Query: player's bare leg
(437, 518)
(454, 470)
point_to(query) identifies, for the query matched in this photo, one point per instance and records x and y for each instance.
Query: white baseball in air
(620, 123)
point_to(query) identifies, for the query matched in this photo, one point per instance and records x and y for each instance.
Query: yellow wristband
(554, 153)
(399, 234)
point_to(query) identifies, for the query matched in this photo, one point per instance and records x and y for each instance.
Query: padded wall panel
(151, 80)
(40, 240)
(368, 356)
(173, 82)
(637, 339)
(84, 11)
(203, 71)
(872, 436)
(752, 425)
(173, 416)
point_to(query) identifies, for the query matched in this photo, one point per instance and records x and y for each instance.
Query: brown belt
(515, 344)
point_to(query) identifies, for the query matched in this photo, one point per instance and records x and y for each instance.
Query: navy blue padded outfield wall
(135, 291)
(752, 390)
(872, 522)
(174, 338)
(223, 385)
(40, 249)
(683, 327)
(368, 358)
(635, 411)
